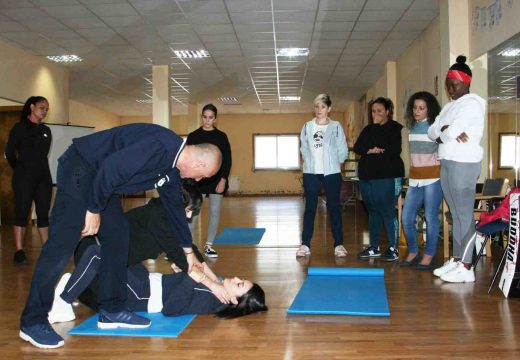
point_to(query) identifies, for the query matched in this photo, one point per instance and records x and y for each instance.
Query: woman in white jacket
(324, 149)
(458, 130)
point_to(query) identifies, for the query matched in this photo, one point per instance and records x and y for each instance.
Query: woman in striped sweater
(424, 184)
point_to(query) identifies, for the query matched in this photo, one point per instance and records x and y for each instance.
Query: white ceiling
(119, 41)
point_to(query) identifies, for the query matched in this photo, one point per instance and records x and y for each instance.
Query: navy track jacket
(133, 158)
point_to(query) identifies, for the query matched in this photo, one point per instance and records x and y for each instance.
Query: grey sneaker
(209, 251)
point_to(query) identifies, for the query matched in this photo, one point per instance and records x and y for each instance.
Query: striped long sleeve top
(424, 165)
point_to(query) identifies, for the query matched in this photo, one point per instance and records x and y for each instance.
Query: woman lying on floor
(172, 294)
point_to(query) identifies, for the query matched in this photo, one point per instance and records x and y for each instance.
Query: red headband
(459, 75)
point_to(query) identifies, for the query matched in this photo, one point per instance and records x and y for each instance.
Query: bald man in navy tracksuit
(92, 174)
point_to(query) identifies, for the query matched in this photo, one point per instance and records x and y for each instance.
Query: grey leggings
(215, 203)
(458, 182)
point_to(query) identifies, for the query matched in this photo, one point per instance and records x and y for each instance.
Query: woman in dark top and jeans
(26, 151)
(380, 171)
(216, 185)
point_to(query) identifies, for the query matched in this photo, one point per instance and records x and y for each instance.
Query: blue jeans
(380, 197)
(429, 197)
(75, 180)
(311, 187)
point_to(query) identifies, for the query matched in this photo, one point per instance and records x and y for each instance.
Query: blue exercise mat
(162, 326)
(240, 236)
(342, 291)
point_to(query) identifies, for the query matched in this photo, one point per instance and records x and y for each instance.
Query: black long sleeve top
(380, 166)
(219, 139)
(28, 145)
(152, 233)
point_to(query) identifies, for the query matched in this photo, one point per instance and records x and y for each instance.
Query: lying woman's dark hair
(191, 196)
(249, 303)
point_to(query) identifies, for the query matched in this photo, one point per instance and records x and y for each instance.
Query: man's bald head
(199, 161)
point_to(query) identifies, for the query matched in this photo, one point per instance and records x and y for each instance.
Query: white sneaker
(448, 266)
(459, 275)
(61, 310)
(303, 251)
(340, 251)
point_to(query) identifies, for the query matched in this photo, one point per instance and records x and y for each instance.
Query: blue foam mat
(240, 236)
(162, 326)
(342, 291)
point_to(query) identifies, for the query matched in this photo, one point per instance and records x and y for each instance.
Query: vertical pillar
(391, 84)
(193, 116)
(161, 95)
(454, 25)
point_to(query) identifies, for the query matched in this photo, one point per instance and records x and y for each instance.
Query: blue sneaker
(42, 336)
(124, 319)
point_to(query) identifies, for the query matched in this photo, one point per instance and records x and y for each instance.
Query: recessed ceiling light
(228, 99)
(64, 58)
(292, 52)
(191, 54)
(289, 98)
(510, 52)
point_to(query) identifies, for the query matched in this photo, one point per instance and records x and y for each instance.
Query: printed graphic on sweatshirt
(318, 139)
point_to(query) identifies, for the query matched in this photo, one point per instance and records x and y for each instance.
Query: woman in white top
(458, 130)
(324, 149)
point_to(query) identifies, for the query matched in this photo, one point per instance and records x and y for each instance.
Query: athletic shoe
(340, 251)
(369, 252)
(209, 251)
(448, 266)
(303, 251)
(459, 274)
(391, 254)
(123, 319)
(61, 310)
(42, 336)
(19, 257)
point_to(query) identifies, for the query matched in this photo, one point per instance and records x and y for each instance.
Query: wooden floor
(429, 319)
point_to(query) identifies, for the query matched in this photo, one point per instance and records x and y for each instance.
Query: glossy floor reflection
(429, 319)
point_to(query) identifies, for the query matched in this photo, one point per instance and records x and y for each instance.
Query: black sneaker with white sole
(210, 252)
(369, 252)
(391, 254)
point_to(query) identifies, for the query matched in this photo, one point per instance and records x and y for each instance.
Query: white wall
(23, 75)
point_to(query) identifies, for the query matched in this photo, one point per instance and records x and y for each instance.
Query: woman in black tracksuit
(26, 151)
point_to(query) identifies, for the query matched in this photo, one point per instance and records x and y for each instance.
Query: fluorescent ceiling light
(228, 99)
(144, 101)
(64, 58)
(510, 52)
(289, 98)
(191, 54)
(292, 52)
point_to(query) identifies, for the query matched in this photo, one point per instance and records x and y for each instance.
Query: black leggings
(32, 185)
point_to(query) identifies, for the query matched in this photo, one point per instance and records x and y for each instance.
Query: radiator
(234, 184)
